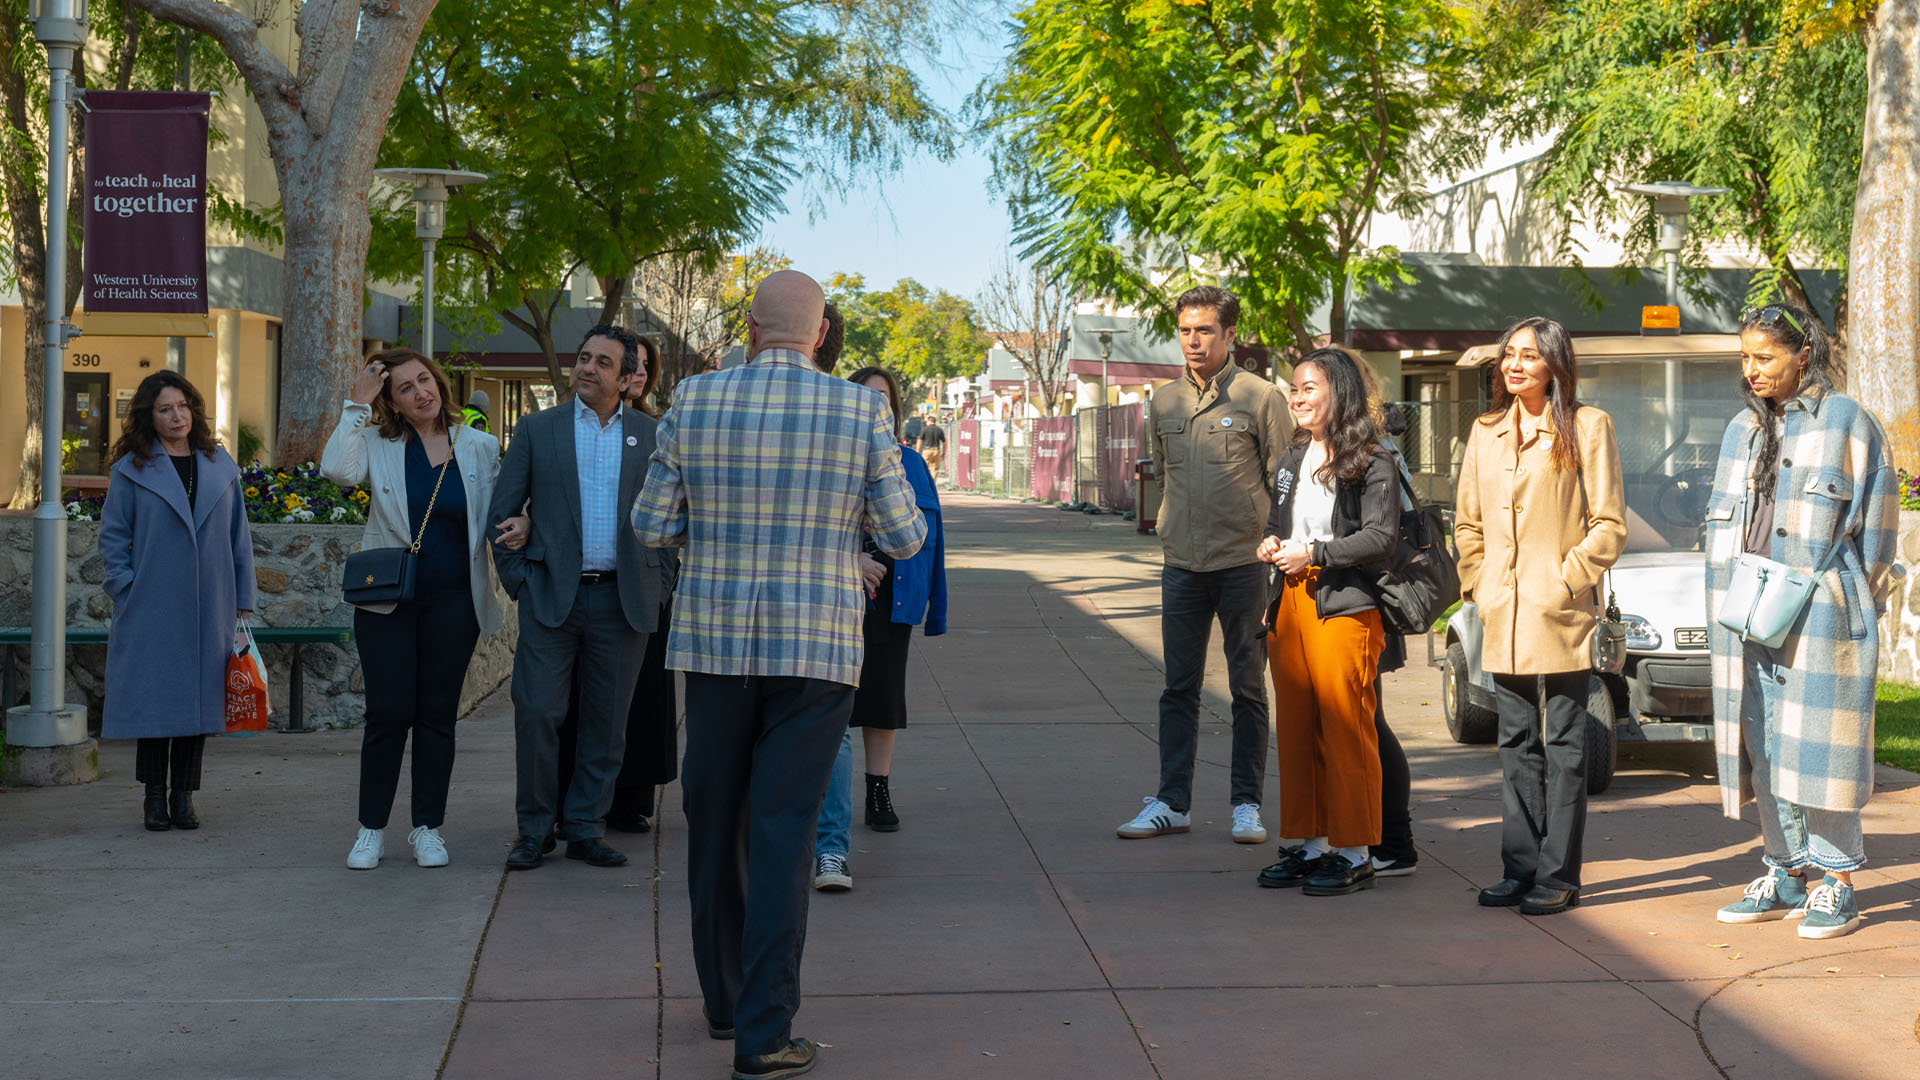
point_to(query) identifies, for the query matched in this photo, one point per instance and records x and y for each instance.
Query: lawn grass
(1896, 726)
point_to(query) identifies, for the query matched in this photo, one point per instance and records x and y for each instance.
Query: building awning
(1631, 346)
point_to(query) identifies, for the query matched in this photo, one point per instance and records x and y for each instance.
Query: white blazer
(356, 453)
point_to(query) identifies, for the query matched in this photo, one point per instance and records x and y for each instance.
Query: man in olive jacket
(1217, 433)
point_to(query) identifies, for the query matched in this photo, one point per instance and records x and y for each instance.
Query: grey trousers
(1190, 601)
(595, 639)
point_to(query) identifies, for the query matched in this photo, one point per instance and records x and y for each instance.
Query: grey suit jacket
(541, 477)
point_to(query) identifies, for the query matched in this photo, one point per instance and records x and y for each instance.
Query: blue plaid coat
(1835, 483)
(767, 474)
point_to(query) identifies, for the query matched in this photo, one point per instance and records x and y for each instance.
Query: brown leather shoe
(790, 1060)
(1543, 900)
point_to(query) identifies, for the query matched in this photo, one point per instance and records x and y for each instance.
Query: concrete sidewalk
(1003, 932)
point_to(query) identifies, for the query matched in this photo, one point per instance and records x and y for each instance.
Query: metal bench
(295, 636)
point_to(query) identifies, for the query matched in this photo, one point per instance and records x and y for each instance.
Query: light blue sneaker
(1831, 911)
(1778, 895)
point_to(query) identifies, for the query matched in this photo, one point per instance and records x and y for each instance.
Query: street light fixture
(429, 224)
(1105, 334)
(47, 720)
(1670, 199)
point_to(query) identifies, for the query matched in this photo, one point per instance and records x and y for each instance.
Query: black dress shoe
(180, 810)
(790, 1060)
(526, 853)
(552, 841)
(716, 1030)
(1507, 893)
(156, 809)
(1291, 871)
(1545, 900)
(595, 852)
(1337, 876)
(630, 823)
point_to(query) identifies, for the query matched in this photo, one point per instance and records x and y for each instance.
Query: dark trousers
(596, 642)
(413, 662)
(1543, 766)
(1189, 603)
(1396, 789)
(759, 754)
(154, 759)
(653, 738)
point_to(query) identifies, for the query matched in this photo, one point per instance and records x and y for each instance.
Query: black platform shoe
(156, 809)
(880, 815)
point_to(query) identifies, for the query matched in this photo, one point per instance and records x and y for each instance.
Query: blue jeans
(836, 814)
(1791, 835)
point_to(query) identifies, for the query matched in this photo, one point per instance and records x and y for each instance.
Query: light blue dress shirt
(596, 449)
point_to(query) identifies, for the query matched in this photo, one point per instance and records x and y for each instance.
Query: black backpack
(1423, 579)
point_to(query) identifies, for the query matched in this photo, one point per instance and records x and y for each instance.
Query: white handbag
(1765, 598)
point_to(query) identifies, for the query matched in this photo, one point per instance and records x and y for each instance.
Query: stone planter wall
(298, 571)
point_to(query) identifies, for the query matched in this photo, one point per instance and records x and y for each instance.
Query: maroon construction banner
(966, 458)
(146, 213)
(1119, 449)
(1051, 477)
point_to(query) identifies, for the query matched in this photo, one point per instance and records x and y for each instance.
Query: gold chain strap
(435, 497)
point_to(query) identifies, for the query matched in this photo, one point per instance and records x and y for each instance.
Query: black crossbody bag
(386, 575)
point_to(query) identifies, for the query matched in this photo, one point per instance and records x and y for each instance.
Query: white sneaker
(428, 848)
(1155, 819)
(1246, 824)
(367, 849)
(830, 874)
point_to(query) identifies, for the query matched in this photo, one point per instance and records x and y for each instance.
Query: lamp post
(1670, 199)
(1105, 334)
(429, 224)
(47, 725)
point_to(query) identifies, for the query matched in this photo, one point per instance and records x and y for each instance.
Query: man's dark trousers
(596, 638)
(760, 750)
(1190, 601)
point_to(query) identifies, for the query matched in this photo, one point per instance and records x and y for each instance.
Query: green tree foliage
(1145, 145)
(618, 133)
(1758, 96)
(925, 336)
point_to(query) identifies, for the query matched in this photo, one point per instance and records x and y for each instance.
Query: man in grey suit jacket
(588, 592)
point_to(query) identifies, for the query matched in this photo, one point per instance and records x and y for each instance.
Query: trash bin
(1148, 485)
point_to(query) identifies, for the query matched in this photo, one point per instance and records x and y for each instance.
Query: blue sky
(933, 221)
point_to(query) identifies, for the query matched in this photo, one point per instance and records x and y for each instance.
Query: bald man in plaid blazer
(768, 474)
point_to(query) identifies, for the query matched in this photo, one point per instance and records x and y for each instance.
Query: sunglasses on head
(1772, 316)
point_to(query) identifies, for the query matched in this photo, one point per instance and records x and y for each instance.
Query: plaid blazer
(767, 474)
(1835, 483)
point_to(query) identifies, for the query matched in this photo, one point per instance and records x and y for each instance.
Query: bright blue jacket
(920, 582)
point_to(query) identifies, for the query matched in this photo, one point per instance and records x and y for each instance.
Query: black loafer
(594, 852)
(1337, 877)
(1545, 900)
(629, 823)
(716, 1030)
(790, 1060)
(1508, 892)
(526, 853)
(1290, 872)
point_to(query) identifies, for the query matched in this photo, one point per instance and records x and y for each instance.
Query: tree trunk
(326, 258)
(1884, 264)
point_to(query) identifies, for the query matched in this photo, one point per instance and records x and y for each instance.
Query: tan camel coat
(1532, 552)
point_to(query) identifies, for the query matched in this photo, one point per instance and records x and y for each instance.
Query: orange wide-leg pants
(1328, 754)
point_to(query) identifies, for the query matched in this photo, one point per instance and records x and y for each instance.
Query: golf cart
(1670, 399)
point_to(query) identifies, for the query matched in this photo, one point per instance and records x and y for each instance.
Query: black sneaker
(1402, 867)
(1333, 875)
(1292, 870)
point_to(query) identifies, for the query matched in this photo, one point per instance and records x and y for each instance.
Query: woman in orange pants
(1334, 524)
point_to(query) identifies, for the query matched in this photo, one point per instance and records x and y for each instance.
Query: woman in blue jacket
(900, 595)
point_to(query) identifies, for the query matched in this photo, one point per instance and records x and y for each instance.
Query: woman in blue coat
(900, 595)
(179, 570)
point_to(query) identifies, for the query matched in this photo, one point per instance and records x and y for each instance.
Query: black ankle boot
(181, 804)
(880, 815)
(156, 810)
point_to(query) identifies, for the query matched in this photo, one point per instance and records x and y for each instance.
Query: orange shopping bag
(247, 702)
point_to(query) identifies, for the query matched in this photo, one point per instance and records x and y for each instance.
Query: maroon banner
(1119, 449)
(966, 456)
(146, 213)
(1051, 475)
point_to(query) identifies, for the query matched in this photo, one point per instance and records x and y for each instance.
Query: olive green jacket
(1215, 449)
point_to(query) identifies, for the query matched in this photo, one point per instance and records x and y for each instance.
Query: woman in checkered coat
(1804, 468)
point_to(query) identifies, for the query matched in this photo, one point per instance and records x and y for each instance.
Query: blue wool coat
(176, 578)
(1835, 484)
(920, 582)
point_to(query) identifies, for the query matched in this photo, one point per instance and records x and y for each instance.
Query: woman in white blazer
(429, 478)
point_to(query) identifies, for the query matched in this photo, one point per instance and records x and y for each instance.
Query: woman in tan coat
(1540, 515)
